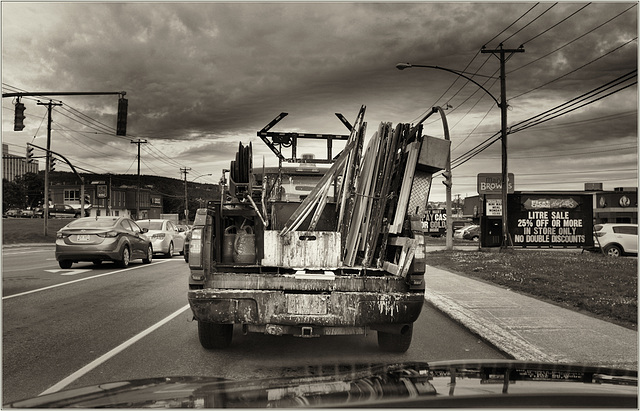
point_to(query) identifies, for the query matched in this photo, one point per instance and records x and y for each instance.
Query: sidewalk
(529, 329)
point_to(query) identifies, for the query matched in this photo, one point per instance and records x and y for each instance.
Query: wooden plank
(321, 205)
(390, 268)
(396, 183)
(407, 183)
(398, 241)
(406, 264)
(355, 175)
(382, 190)
(355, 136)
(302, 249)
(363, 188)
(311, 200)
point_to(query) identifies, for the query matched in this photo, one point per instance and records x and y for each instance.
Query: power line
(540, 118)
(576, 69)
(528, 24)
(564, 108)
(557, 24)
(572, 41)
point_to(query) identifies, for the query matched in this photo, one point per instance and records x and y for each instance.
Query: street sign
(491, 183)
(493, 207)
(101, 191)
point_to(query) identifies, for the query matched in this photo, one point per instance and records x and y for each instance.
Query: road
(88, 325)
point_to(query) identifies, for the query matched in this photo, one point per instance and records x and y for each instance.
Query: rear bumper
(274, 309)
(76, 252)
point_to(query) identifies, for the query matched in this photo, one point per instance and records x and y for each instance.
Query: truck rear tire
(398, 343)
(215, 336)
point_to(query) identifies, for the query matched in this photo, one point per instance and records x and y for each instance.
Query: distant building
(15, 166)
(108, 200)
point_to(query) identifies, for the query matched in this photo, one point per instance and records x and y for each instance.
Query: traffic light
(30, 158)
(18, 124)
(121, 126)
(52, 165)
(447, 178)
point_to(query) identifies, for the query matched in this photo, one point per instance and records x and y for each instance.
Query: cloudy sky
(200, 77)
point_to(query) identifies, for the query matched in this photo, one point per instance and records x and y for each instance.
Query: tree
(33, 186)
(12, 195)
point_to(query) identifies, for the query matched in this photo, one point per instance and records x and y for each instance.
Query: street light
(503, 114)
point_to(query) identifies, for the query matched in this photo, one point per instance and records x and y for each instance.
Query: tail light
(599, 233)
(61, 235)
(108, 234)
(195, 248)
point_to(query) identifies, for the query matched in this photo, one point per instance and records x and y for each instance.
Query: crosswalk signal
(30, 158)
(18, 124)
(121, 126)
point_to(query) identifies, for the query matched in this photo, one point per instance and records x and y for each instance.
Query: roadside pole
(45, 216)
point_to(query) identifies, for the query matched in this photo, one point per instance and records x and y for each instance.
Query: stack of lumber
(374, 194)
(383, 188)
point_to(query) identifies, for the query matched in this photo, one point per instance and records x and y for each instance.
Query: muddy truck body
(317, 247)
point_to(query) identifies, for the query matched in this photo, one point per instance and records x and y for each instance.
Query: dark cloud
(202, 76)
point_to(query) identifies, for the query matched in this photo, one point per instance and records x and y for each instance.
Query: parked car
(459, 233)
(165, 237)
(616, 239)
(28, 213)
(12, 212)
(472, 233)
(66, 211)
(38, 212)
(97, 239)
(183, 229)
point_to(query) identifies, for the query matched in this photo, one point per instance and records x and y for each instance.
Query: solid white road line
(82, 279)
(95, 363)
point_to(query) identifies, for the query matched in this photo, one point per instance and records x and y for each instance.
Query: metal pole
(448, 182)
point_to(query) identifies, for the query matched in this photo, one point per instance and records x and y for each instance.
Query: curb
(497, 336)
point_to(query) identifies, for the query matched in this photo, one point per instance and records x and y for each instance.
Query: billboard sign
(435, 221)
(551, 220)
(491, 183)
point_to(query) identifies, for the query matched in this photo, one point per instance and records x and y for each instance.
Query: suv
(616, 239)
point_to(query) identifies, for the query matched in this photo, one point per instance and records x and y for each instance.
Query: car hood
(436, 384)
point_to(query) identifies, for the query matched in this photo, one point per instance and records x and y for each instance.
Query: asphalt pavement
(526, 328)
(529, 329)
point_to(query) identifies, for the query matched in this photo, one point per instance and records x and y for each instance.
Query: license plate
(308, 304)
(82, 237)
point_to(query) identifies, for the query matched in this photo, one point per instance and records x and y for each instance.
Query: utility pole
(186, 199)
(49, 105)
(138, 142)
(501, 52)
